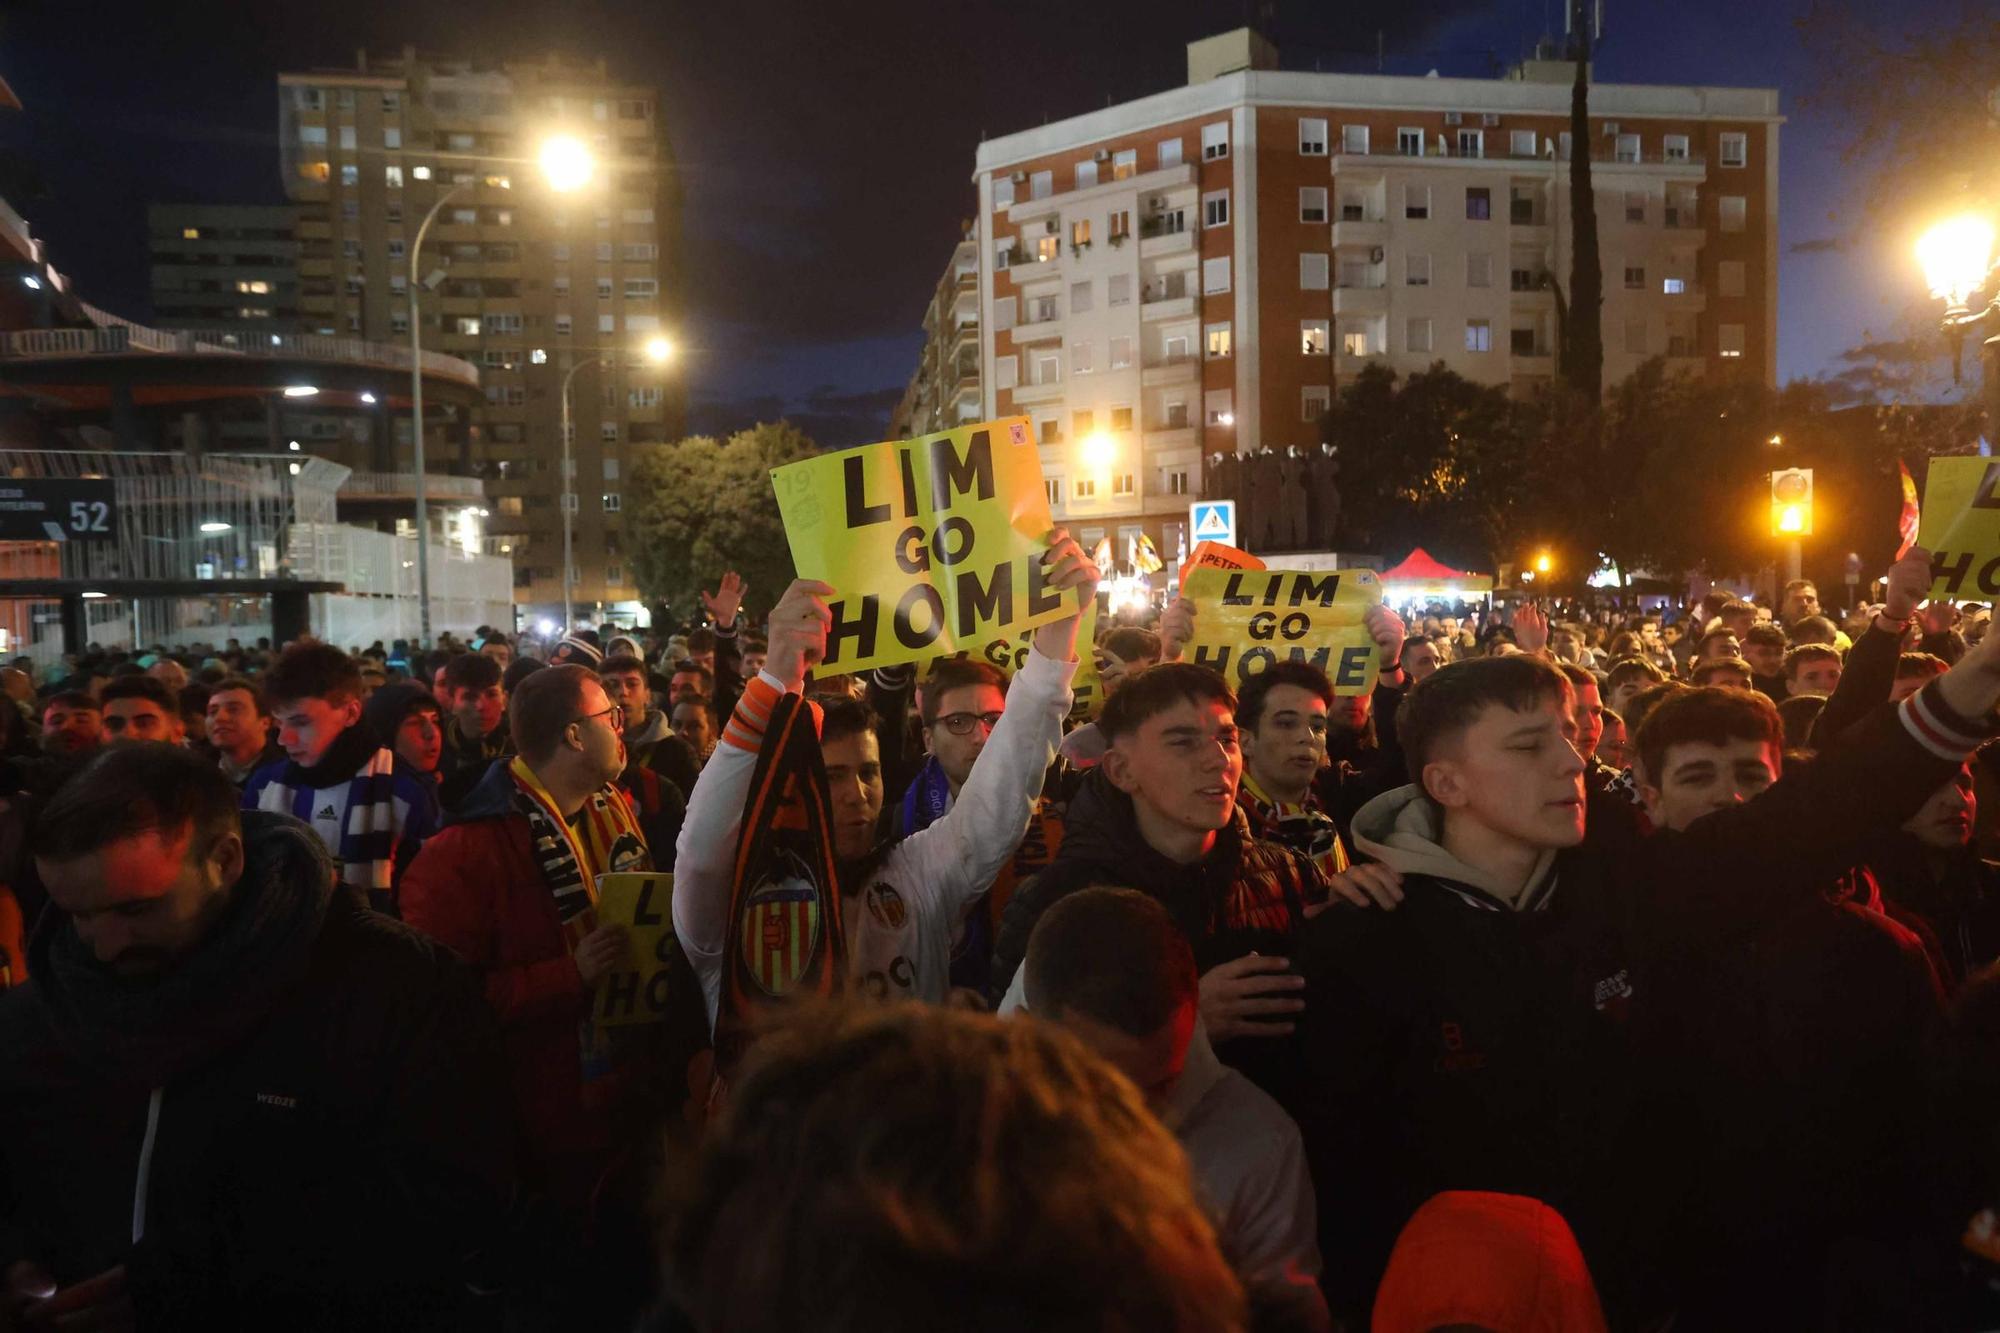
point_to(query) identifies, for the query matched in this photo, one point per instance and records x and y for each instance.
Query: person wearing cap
(407, 718)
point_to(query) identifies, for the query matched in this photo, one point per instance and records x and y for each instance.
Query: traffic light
(1792, 502)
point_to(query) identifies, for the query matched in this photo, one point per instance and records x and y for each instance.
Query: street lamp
(658, 351)
(567, 165)
(1957, 259)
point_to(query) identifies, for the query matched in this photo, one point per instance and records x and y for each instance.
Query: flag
(1145, 557)
(1101, 556)
(1906, 524)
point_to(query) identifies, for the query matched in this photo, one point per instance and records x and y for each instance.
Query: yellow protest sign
(636, 992)
(1086, 687)
(935, 543)
(1248, 619)
(1961, 527)
(1214, 555)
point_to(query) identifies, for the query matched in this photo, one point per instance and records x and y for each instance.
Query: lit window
(1478, 335)
(1729, 340)
(1313, 335)
(190, 233)
(1354, 343)
(1218, 340)
(393, 177)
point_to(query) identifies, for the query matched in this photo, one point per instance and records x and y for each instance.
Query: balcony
(1165, 370)
(1164, 436)
(1038, 330)
(1154, 243)
(1690, 298)
(1355, 231)
(1037, 393)
(1366, 300)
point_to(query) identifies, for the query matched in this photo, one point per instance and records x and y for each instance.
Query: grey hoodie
(1403, 830)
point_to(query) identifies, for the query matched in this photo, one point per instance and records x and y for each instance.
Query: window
(1472, 143)
(1735, 150)
(1049, 430)
(611, 499)
(1003, 192)
(1216, 340)
(1416, 201)
(1002, 256)
(1079, 232)
(1354, 342)
(1478, 204)
(1170, 153)
(639, 252)
(1313, 402)
(641, 288)
(601, 252)
(1006, 372)
(503, 323)
(1079, 297)
(1086, 488)
(399, 321)
(469, 326)
(563, 326)
(1124, 164)
(1214, 276)
(607, 323)
(314, 135)
(1312, 273)
(1119, 223)
(1312, 137)
(1635, 337)
(637, 217)
(1121, 418)
(1635, 278)
(1177, 481)
(1635, 206)
(1176, 347)
(1417, 335)
(1054, 486)
(347, 137)
(1118, 291)
(1521, 341)
(1177, 416)
(1312, 203)
(1041, 185)
(604, 289)
(1041, 309)
(1215, 209)
(1729, 276)
(1123, 485)
(392, 137)
(350, 174)
(1048, 248)
(1215, 141)
(312, 99)
(396, 247)
(635, 109)
(1354, 139)
(1675, 148)
(1627, 148)
(647, 395)
(1313, 335)
(392, 177)
(1048, 368)
(1563, 146)
(1478, 270)
(1416, 270)
(350, 248)
(1409, 142)
(560, 284)
(1086, 174)
(1729, 340)
(1079, 358)
(1521, 143)
(1082, 423)
(1735, 211)
(560, 253)
(1478, 335)
(1217, 406)
(1121, 353)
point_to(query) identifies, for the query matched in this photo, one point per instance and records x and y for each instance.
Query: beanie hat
(577, 651)
(1499, 1261)
(390, 704)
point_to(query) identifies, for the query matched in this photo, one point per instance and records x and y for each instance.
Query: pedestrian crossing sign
(1213, 521)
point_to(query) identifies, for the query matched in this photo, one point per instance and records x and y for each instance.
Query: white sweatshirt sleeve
(704, 856)
(956, 859)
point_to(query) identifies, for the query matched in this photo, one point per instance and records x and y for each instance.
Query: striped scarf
(606, 839)
(368, 831)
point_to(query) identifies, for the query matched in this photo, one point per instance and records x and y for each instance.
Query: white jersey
(901, 922)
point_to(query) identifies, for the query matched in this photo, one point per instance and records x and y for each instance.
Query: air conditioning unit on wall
(1454, 118)
(1101, 155)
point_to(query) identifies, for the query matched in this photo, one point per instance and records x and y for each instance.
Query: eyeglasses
(616, 713)
(961, 724)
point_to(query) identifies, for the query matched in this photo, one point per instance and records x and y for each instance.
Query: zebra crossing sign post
(1212, 521)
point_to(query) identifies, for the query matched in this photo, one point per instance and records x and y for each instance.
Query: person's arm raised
(1870, 670)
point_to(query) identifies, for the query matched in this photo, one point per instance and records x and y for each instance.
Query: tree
(702, 506)
(1583, 331)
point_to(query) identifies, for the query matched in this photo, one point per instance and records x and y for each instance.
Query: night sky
(827, 149)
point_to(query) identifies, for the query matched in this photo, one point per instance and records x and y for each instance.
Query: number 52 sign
(58, 510)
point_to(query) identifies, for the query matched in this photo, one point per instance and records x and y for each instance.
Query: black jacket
(1450, 1047)
(305, 1118)
(1960, 902)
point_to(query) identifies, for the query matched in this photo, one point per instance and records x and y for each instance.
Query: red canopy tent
(1420, 575)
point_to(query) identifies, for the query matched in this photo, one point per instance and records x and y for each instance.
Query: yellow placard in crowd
(636, 992)
(1086, 686)
(935, 544)
(1248, 619)
(1961, 528)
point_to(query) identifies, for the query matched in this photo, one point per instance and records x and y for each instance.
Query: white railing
(114, 336)
(437, 485)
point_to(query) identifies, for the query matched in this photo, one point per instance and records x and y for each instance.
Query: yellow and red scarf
(571, 857)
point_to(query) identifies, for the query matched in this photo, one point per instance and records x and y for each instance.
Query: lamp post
(658, 351)
(567, 165)
(1957, 259)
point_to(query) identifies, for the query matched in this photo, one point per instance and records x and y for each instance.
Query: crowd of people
(1594, 970)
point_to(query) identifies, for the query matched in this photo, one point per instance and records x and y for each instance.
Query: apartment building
(224, 268)
(944, 390)
(525, 282)
(1196, 272)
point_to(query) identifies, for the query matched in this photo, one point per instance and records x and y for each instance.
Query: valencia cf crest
(781, 926)
(886, 906)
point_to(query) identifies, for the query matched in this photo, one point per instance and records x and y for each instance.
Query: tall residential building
(224, 268)
(525, 282)
(1196, 272)
(944, 391)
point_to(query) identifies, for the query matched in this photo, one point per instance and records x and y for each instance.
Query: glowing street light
(567, 163)
(214, 525)
(659, 351)
(1098, 450)
(1956, 256)
(1544, 563)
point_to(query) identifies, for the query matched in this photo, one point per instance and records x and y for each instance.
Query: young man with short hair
(651, 744)
(1136, 1006)
(1812, 668)
(232, 1094)
(141, 708)
(692, 722)
(475, 735)
(72, 723)
(1718, 644)
(1626, 678)
(337, 776)
(1419, 658)
(905, 903)
(1764, 649)
(1729, 673)
(1281, 727)
(1800, 599)
(1815, 629)
(239, 727)
(1482, 1036)
(1127, 649)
